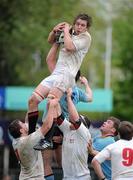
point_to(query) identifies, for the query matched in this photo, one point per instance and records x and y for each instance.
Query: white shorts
(63, 81)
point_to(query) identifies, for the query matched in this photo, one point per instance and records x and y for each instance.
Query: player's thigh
(42, 91)
(57, 92)
(58, 155)
(47, 156)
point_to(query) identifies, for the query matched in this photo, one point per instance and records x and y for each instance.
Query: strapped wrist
(76, 124)
(60, 119)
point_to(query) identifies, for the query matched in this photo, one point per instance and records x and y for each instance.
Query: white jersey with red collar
(74, 152)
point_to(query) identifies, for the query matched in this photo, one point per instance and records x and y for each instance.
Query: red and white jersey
(31, 161)
(121, 154)
(74, 151)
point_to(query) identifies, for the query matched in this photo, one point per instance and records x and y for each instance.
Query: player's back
(122, 159)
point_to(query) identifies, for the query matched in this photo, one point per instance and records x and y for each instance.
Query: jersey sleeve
(35, 137)
(83, 97)
(82, 42)
(65, 126)
(84, 132)
(104, 154)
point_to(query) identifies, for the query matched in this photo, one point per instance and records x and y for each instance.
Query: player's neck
(107, 134)
(24, 134)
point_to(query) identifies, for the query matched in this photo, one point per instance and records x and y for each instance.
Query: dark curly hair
(84, 17)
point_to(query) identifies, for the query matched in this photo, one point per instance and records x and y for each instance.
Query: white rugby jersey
(71, 61)
(74, 151)
(31, 161)
(121, 154)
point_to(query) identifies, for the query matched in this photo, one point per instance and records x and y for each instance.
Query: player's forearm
(47, 123)
(93, 152)
(97, 167)
(68, 43)
(51, 37)
(74, 116)
(51, 57)
(88, 92)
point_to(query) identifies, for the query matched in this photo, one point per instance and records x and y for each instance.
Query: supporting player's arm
(97, 167)
(51, 114)
(88, 90)
(73, 114)
(92, 151)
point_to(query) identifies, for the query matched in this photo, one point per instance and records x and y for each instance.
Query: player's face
(24, 127)
(107, 126)
(80, 26)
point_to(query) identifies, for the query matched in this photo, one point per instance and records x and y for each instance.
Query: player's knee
(55, 92)
(33, 102)
(59, 163)
(51, 96)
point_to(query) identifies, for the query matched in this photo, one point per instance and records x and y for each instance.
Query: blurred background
(24, 28)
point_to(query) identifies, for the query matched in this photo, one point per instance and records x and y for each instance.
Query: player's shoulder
(86, 34)
(110, 139)
(115, 144)
(38, 132)
(76, 89)
(19, 143)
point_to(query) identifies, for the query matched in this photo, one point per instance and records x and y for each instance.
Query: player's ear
(21, 130)
(113, 130)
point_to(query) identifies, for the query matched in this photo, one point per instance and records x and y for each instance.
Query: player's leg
(58, 155)
(47, 160)
(46, 142)
(55, 93)
(57, 146)
(38, 95)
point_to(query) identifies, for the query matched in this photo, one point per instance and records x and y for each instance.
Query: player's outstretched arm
(73, 114)
(51, 114)
(88, 90)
